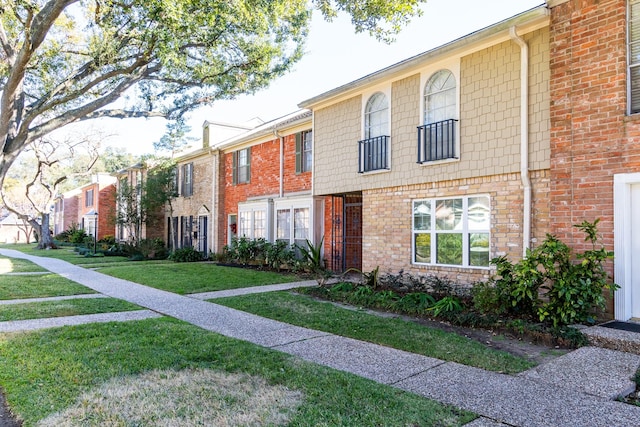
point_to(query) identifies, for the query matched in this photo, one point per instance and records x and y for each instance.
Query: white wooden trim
(622, 244)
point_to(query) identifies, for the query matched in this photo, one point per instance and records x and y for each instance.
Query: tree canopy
(64, 61)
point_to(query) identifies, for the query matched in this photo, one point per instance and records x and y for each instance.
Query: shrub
(152, 249)
(574, 285)
(185, 255)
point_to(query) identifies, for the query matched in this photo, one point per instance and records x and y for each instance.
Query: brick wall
(106, 211)
(201, 200)
(387, 221)
(592, 138)
(265, 176)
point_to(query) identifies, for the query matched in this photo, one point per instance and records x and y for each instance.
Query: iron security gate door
(346, 232)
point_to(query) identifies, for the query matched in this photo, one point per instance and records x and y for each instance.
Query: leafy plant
(185, 255)
(574, 285)
(578, 290)
(449, 304)
(312, 255)
(415, 302)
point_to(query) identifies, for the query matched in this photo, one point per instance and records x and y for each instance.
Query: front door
(203, 227)
(635, 250)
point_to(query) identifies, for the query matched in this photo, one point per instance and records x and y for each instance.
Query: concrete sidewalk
(572, 390)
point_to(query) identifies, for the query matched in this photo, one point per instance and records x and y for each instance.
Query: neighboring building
(15, 230)
(425, 165)
(190, 216)
(128, 225)
(96, 207)
(65, 211)
(595, 132)
(267, 183)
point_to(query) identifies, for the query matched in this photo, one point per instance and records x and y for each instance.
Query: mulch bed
(7, 419)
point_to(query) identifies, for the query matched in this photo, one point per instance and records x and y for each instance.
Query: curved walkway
(573, 390)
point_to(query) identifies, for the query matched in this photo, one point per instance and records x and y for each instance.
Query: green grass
(15, 265)
(65, 253)
(47, 285)
(73, 307)
(189, 278)
(409, 336)
(46, 371)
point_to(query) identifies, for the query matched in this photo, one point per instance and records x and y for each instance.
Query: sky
(334, 55)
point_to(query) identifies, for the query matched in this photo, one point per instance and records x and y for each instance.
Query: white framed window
(376, 116)
(633, 56)
(301, 226)
(242, 166)
(283, 225)
(374, 150)
(437, 136)
(440, 97)
(452, 231)
(294, 221)
(187, 180)
(88, 198)
(304, 151)
(253, 220)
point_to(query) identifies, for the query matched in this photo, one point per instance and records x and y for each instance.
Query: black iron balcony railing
(373, 154)
(437, 141)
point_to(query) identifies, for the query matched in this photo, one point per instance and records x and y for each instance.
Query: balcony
(437, 141)
(373, 154)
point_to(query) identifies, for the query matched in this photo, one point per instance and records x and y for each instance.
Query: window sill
(374, 172)
(450, 266)
(439, 162)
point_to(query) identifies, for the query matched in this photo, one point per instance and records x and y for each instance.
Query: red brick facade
(592, 137)
(265, 176)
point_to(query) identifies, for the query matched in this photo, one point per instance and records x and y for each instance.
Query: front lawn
(65, 253)
(39, 286)
(189, 278)
(409, 336)
(48, 371)
(15, 265)
(71, 307)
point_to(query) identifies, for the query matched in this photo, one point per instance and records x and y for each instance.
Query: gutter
(276, 134)
(524, 139)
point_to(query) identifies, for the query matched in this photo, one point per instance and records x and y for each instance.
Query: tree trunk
(46, 239)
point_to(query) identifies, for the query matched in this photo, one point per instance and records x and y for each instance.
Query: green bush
(574, 285)
(185, 255)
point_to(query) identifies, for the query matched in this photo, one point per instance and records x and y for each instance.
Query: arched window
(440, 97)
(437, 135)
(376, 116)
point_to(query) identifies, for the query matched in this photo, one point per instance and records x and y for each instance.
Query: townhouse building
(267, 183)
(194, 218)
(65, 211)
(441, 162)
(131, 223)
(595, 132)
(96, 206)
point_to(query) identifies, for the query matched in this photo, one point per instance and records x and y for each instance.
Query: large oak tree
(64, 61)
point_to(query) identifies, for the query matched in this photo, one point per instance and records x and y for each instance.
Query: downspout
(524, 138)
(281, 180)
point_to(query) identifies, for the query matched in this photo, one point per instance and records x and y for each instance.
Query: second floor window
(376, 116)
(373, 150)
(88, 198)
(242, 166)
(436, 137)
(304, 151)
(187, 180)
